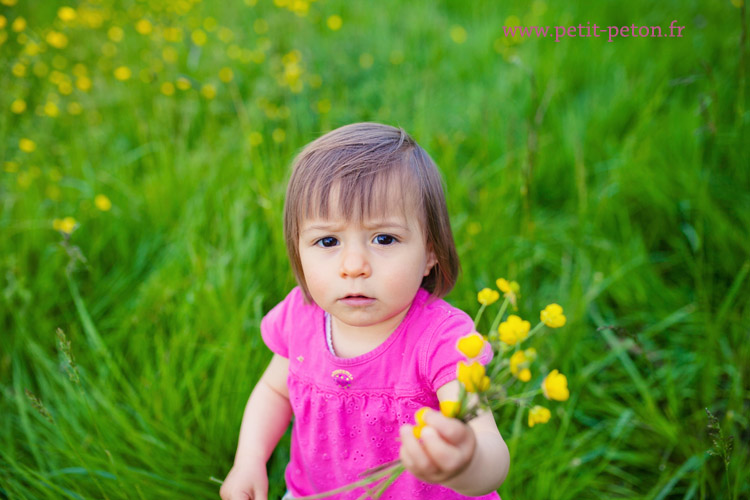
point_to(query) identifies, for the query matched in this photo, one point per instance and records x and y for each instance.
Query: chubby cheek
(405, 278)
(314, 273)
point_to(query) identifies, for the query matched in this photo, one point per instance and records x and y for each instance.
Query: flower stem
(479, 315)
(499, 316)
(534, 330)
(364, 482)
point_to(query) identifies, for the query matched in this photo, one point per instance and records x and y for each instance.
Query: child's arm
(266, 418)
(471, 459)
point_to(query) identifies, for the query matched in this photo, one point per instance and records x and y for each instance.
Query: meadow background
(144, 150)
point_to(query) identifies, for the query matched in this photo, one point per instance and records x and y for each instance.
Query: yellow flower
(506, 286)
(123, 73)
(56, 77)
(18, 106)
(80, 70)
(170, 54)
(255, 138)
(102, 203)
(66, 225)
(334, 22)
(419, 418)
(226, 35)
(26, 145)
(66, 13)
(19, 69)
(458, 34)
(208, 91)
(555, 386)
(226, 74)
(83, 83)
(199, 37)
(471, 345)
(417, 430)
(519, 363)
(183, 83)
(487, 296)
(552, 316)
(56, 39)
(167, 88)
(516, 359)
(65, 88)
(172, 34)
(143, 26)
(115, 33)
(33, 48)
(510, 290)
(513, 330)
(538, 415)
(51, 109)
(53, 192)
(473, 377)
(19, 24)
(450, 408)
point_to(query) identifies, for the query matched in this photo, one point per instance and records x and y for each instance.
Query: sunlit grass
(144, 152)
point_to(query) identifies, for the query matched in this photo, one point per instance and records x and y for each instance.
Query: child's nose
(354, 263)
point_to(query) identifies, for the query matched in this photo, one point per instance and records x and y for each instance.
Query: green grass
(608, 177)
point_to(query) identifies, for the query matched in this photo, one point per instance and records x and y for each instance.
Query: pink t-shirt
(347, 411)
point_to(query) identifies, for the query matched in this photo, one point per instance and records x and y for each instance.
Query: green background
(609, 177)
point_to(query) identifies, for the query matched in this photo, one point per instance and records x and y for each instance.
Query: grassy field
(610, 177)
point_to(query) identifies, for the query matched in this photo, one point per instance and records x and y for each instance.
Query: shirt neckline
(418, 301)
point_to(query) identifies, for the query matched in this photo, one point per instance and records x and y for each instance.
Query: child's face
(366, 276)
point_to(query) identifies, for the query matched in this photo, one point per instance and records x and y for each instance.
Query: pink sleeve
(442, 351)
(275, 326)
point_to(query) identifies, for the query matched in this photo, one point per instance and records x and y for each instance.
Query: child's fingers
(450, 429)
(413, 456)
(451, 458)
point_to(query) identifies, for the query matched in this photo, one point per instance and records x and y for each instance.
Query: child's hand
(245, 482)
(444, 450)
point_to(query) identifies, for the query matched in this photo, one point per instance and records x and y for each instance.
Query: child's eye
(385, 239)
(327, 242)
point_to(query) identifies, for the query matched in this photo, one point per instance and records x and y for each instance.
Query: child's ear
(431, 260)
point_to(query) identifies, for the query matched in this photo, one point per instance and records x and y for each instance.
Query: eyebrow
(374, 225)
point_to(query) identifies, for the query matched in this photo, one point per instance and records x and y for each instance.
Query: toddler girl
(365, 340)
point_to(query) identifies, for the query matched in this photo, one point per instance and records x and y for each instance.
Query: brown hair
(362, 160)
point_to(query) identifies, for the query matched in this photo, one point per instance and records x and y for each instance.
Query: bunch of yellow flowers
(511, 363)
(506, 336)
(486, 387)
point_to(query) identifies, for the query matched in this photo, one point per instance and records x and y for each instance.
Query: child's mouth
(357, 300)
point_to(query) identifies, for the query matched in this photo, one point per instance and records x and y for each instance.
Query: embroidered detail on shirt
(342, 377)
(300, 359)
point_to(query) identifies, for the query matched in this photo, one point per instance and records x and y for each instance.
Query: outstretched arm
(471, 459)
(266, 418)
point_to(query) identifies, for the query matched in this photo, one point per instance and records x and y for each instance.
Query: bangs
(362, 196)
